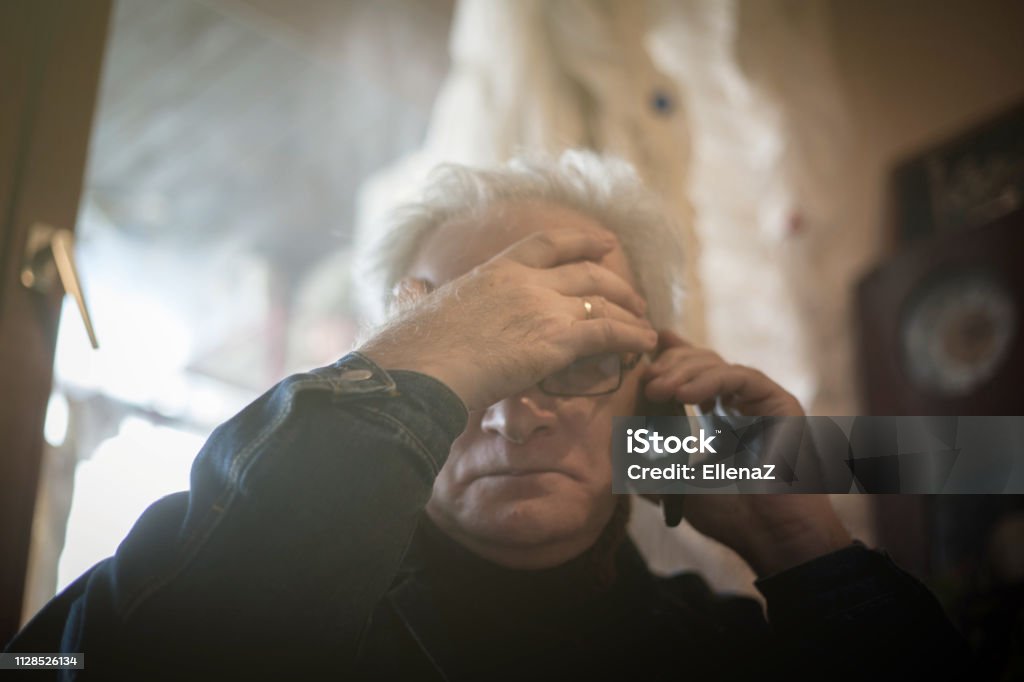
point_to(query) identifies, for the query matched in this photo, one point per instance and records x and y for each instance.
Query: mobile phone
(672, 505)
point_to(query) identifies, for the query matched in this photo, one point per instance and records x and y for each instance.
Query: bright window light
(127, 473)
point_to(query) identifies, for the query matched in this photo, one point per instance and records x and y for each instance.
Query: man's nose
(520, 417)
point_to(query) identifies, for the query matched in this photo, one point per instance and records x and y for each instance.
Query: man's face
(528, 483)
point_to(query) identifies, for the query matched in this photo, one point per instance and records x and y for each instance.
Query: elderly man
(438, 504)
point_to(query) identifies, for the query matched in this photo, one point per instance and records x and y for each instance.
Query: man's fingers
(608, 335)
(601, 307)
(674, 357)
(586, 279)
(548, 249)
(719, 381)
(663, 386)
(743, 388)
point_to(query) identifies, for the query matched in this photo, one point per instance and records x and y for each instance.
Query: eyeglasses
(590, 376)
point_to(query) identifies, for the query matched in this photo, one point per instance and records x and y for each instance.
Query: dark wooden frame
(51, 52)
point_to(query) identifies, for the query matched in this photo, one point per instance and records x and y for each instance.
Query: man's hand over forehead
(527, 312)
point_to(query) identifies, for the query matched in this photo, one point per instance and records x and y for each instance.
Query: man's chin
(503, 518)
(528, 522)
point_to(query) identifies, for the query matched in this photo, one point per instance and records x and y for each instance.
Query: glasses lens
(592, 375)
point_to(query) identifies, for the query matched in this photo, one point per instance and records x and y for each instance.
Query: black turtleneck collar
(466, 578)
(475, 617)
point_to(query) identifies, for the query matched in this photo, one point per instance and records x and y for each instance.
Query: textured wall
(797, 111)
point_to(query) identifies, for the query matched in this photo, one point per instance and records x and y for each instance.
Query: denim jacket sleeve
(300, 510)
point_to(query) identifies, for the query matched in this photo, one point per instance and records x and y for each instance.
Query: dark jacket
(296, 554)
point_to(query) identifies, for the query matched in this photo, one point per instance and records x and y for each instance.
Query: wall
(918, 71)
(798, 110)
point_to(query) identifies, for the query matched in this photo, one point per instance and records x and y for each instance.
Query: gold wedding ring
(588, 310)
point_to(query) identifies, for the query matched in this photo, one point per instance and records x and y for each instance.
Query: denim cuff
(438, 416)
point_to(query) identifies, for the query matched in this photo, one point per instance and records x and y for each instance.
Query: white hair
(606, 189)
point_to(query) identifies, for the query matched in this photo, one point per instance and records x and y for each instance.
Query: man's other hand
(771, 532)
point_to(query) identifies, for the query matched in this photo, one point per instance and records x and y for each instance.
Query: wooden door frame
(51, 54)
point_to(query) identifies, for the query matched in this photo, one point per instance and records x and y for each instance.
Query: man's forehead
(458, 246)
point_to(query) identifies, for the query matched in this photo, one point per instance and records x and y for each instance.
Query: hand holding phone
(771, 532)
(687, 374)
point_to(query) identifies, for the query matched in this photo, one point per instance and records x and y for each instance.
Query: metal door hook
(40, 271)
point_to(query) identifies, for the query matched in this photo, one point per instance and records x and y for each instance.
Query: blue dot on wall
(662, 102)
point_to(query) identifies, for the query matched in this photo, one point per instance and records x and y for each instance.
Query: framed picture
(963, 183)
